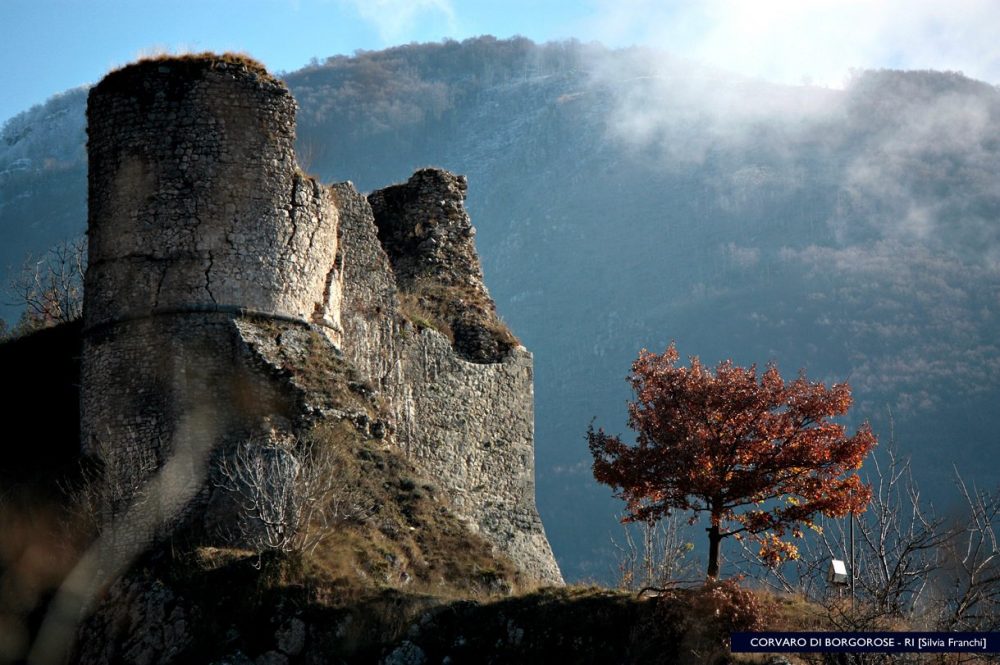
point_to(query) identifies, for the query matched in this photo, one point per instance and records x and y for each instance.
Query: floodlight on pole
(836, 573)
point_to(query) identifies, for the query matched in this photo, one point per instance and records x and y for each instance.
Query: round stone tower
(195, 198)
(197, 215)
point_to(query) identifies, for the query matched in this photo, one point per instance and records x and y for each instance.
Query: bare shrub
(108, 483)
(899, 547)
(288, 501)
(704, 618)
(659, 558)
(913, 569)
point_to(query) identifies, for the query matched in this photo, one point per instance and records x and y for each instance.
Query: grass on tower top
(186, 64)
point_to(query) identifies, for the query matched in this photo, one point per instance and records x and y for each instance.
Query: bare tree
(920, 569)
(900, 542)
(968, 589)
(804, 575)
(659, 559)
(899, 547)
(913, 568)
(50, 287)
(288, 501)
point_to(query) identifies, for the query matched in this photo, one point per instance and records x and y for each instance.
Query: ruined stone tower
(196, 202)
(202, 229)
(197, 216)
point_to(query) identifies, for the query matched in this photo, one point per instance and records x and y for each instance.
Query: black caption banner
(865, 642)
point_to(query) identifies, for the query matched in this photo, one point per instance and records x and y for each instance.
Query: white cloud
(685, 111)
(398, 20)
(792, 41)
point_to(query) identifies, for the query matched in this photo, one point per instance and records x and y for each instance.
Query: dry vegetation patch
(184, 66)
(463, 314)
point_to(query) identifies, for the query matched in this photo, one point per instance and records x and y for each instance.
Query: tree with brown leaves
(762, 458)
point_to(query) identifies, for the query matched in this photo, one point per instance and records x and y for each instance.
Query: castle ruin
(211, 253)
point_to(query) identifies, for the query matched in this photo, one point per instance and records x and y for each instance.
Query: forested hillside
(624, 199)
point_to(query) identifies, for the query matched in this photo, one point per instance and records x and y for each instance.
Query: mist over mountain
(624, 199)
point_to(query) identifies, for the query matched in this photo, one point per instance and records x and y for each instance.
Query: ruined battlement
(197, 215)
(429, 239)
(425, 231)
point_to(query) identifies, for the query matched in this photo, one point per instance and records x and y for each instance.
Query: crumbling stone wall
(428, 238)
(472, 426)
(197, 215)
(463, 408)
(370, 317)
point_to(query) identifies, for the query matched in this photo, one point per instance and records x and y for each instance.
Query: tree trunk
(714, 538)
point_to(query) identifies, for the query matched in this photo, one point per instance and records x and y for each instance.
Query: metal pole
(853, 576)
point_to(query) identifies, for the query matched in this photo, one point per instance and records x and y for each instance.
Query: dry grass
(452, 310)
(791, 612)
(412, 307)
(391, 528)
(380, 573)
(499, 330)
(317, 368)
(184, 64)
(409, 538)
(208, 58)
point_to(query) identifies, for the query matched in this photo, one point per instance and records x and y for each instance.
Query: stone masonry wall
(172, 389)
(195, 198)
(469, 424)
(370, 318)
(429, 240)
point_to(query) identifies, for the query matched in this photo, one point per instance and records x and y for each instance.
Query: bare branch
(287, 499)
(660, 560)
(50, 287)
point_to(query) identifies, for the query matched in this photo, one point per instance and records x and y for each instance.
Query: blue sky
(48, 46)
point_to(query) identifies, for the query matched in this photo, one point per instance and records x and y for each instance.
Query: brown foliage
(760, 456)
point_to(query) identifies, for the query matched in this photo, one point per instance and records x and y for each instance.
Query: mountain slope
(624, 199)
